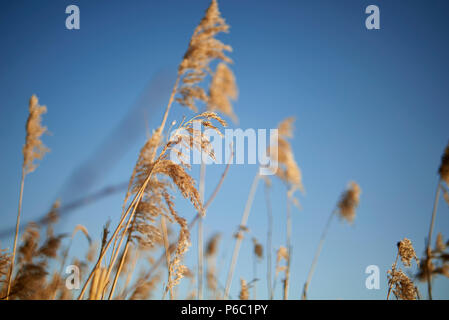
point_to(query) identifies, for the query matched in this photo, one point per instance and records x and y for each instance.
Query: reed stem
(239, 236)
(317, 254)
(269, 241)
(167, 252)
(429, 241)
(289, 248)
(201, 232)
(19, 211)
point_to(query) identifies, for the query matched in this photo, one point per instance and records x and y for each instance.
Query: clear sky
(371, 106)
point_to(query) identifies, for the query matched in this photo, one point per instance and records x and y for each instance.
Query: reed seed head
(288, 169)
(244, 292)
(440, 246)
(203, 49)
(222, 90)
(349, 202)
(5, 260)
(34, 148)
(403, 287)
(258, 249)
(407, 252)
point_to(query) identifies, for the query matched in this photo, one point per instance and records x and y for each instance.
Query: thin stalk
(170, 102)
(239, 237)
(255, 275)
(317, 254)
(19, 211)
(429, 240)
(269, 241)
(125, 252)
(200, 231)
(167, 254)
(289, 248)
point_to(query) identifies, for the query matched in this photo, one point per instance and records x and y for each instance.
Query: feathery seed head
(407, 252)
(403, 287)
(349, 202)
(5, 259)
(440, 246)
(34, 148)
(258, 249)
(288, 170)
(222, 90)
(203, 49)
(286, 127)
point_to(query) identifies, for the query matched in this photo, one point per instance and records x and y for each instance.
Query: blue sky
(371, 106)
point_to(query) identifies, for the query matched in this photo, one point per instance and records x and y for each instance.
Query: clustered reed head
(5, 259)
(407, 252)
(349, 201)
(403, 287)
(244, 292)
(444, 167)
(34, 148)
(161, 175)
(223, 89)
(145, 287)
(438, 261)
(288, 170)
(440, 246)
(203, 49)
(33, 279)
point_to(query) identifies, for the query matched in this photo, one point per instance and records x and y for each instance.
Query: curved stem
(11, 269)
(289, 247)
(429, 241)
(269, 241)
(167, 254)
(200, 231)
(317, 254)
(239, 236)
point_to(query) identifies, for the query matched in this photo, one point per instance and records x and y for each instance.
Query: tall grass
(152, 234)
